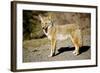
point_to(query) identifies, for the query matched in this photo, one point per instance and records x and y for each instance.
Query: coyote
(56, 32)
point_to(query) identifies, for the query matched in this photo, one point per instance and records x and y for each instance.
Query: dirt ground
(39, 53)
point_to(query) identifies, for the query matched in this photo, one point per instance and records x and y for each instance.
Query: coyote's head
(45, 21)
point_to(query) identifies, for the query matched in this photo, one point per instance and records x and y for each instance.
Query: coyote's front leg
(53, 47)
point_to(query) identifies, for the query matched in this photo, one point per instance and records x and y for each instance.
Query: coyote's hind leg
(75, 41)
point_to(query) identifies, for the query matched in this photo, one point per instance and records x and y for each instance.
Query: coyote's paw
(50, 55)
(76, 53)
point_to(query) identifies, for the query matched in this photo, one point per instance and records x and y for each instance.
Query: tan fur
(56, 32)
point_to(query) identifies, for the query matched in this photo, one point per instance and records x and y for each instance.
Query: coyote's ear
(40, 18)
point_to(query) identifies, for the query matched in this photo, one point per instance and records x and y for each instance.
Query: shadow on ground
(64, 49)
